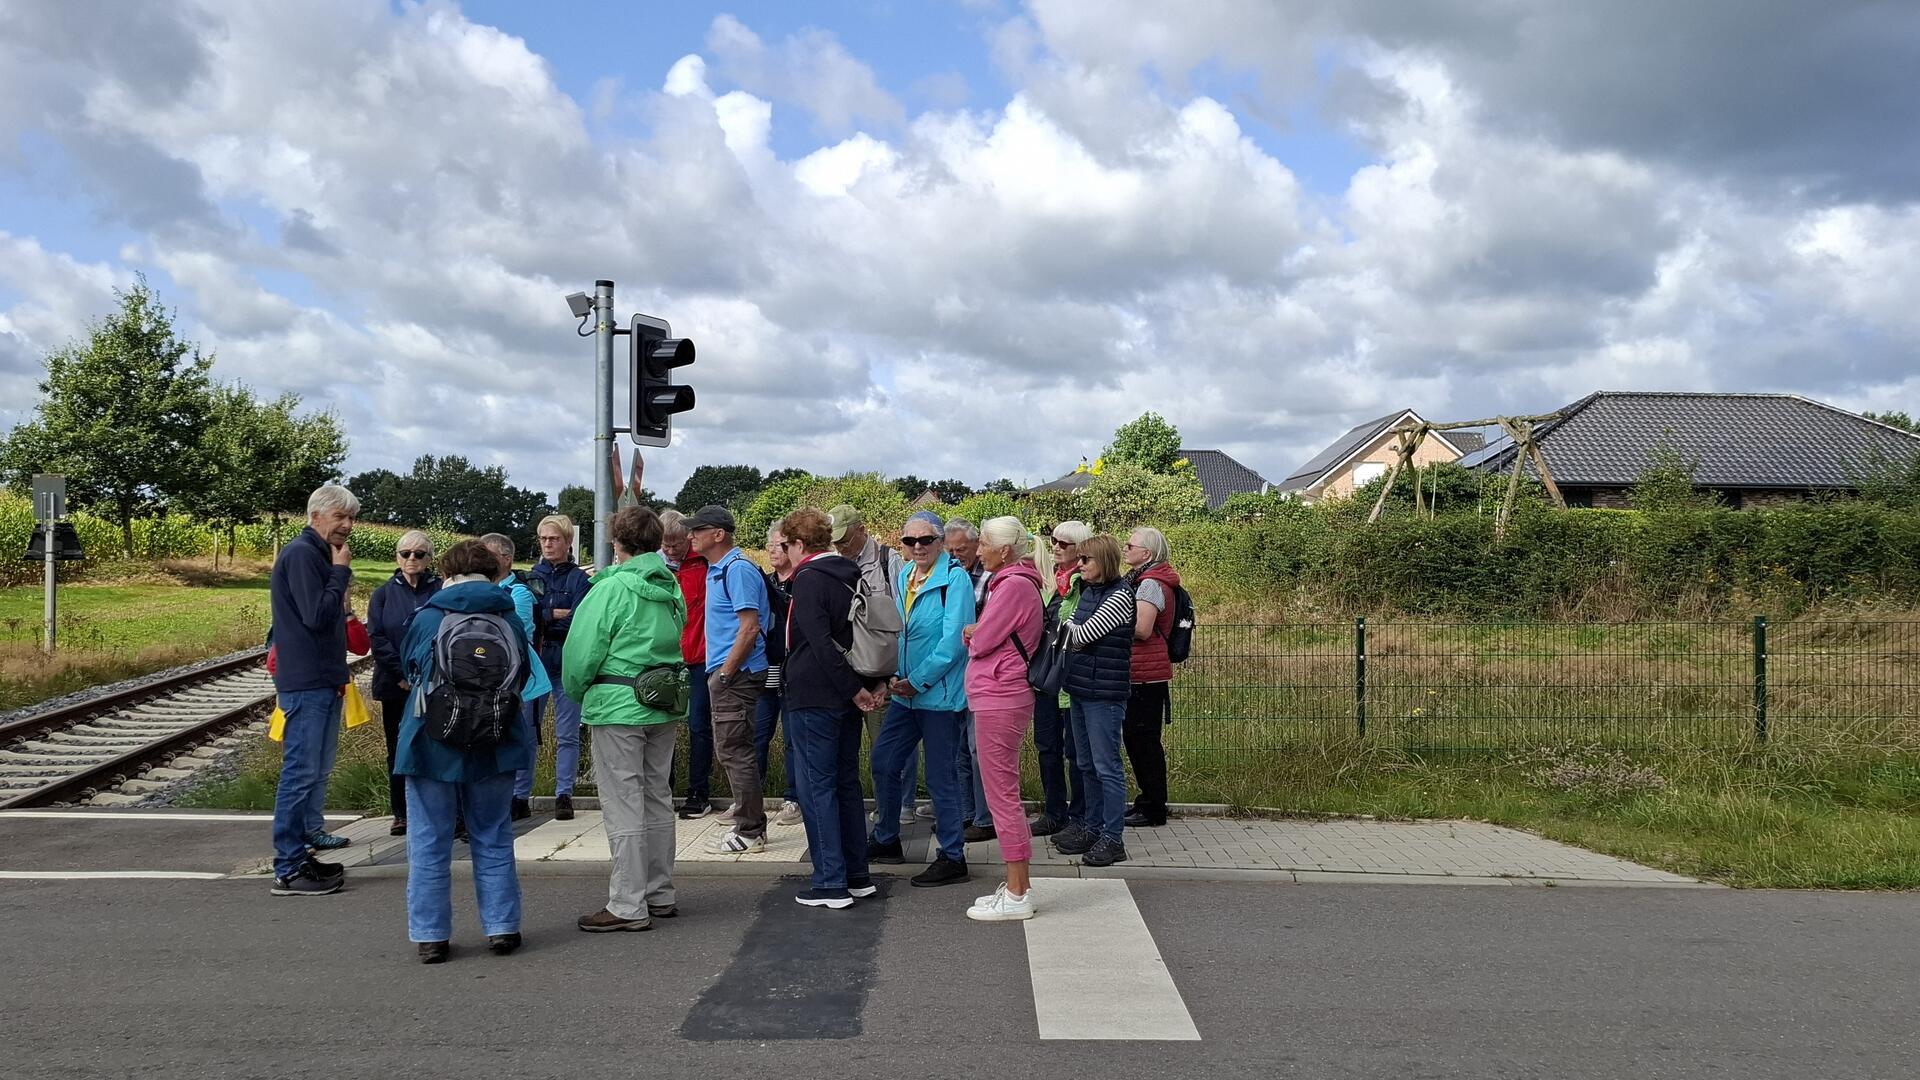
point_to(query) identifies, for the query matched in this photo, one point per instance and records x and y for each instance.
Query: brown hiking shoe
(606, 922)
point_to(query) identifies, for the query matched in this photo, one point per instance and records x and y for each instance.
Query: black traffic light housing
(656, 397)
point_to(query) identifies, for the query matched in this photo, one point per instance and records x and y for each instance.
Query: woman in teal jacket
(442, 778)
(929, 696)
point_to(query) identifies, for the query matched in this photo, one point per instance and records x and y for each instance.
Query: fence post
(1360, 674)
(1760, 678)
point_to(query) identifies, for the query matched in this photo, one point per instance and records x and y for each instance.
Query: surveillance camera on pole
(653, 355)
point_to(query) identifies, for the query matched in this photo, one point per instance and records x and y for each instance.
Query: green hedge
(1592, 563)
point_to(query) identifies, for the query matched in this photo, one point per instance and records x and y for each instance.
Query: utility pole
(602, 423)
(48, 514)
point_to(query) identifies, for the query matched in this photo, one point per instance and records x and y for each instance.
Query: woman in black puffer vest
(1099, 680)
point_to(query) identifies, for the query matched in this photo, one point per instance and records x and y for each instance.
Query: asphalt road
(217, 978)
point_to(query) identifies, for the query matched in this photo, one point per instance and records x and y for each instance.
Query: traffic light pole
(602, 423)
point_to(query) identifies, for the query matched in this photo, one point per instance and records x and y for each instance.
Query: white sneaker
(1002, 906)
(908, 817)
(735, 844)
(924, 812)
(789, 814)
(725, 815)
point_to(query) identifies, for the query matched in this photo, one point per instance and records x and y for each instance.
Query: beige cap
(844, 517)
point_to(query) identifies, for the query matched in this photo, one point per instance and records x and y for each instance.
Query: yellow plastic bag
(355, 710)
(277, 723)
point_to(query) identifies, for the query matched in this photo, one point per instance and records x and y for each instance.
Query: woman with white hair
(1001, 701)
(1062, 800)
(1149, 703)
(388, 613)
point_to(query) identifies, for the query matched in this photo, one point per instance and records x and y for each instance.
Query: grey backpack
(876, 631)
(479, 669)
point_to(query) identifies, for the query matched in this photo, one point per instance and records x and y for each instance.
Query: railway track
(69, 754)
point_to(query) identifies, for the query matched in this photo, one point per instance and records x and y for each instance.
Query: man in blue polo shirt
(737, 614)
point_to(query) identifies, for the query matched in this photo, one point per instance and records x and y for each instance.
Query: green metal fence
(1464, 686)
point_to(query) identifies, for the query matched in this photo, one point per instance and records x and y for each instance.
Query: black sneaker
(974, 834)
(1140, 819)
(861, 888)
(522, 810)
(502, 944)
(433, 952)
(1045, 825)
(944, 871)
(826, 898)
(313, 878)
(563, 808)
(1105, 853)
(695, 808)
(885, 854)
(1073, 840)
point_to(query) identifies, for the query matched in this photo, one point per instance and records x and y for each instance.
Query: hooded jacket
(567, 585)
(817, 674)
(420, 754)
(996, 672)
(630, 622)
(388, 613)
(933, 648)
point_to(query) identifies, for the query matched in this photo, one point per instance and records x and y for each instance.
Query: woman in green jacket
(627, 628)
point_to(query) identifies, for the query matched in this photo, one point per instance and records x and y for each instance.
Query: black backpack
(1180, 634)
(479, 669)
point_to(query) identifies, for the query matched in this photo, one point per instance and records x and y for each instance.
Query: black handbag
(1047, 664)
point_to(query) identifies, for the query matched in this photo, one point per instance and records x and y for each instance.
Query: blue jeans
(904, 729)
(1060, 786)
(966, 766)
(826, 750)
(312, 737)
(699, 739)
(566, 739)
(766, 718)
(432, 806)
(1103, 778)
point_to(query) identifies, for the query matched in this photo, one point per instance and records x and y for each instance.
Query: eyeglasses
(416, 554)
(919, 541)
(1131, 546)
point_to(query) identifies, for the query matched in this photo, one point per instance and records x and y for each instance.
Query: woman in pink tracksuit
(1010, 625)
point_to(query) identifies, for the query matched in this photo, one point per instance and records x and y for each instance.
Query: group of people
(925, 651)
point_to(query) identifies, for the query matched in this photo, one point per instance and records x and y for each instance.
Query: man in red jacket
(691, 569)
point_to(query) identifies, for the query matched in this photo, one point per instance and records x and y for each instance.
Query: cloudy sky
(970, 238)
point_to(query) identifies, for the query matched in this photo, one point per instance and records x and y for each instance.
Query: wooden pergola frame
(1518, 428)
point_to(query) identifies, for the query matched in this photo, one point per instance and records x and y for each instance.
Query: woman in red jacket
(1148, 704)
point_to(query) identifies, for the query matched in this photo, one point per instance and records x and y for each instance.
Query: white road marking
(1096, 971)
(82, 815)
(95, 875)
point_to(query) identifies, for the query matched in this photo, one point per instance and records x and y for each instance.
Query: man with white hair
(308, 593)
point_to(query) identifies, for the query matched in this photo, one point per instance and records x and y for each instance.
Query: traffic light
(655, 396)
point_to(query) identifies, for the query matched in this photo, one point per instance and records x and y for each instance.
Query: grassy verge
(143, 618)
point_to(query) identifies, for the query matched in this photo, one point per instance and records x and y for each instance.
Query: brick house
(1364, 453)
(1752, 450)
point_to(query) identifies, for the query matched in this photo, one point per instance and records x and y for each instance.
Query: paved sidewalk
(1196, 847)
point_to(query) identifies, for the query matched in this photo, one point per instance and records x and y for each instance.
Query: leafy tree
(1148, 442)
(576, 501)
(1667, 483)
(120, 415)
(950, 492)
(717, 485)
(1897, 419)
(777, 475)
(450, 491)
(775, 501)
(259, 456)
(1124, 495)
(1002, 486)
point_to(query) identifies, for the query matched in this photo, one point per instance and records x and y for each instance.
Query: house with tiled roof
(1364, 454)
(1750, 449)
(1219, 474)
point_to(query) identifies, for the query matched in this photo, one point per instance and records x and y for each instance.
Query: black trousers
(1147, 709)
(391, 710)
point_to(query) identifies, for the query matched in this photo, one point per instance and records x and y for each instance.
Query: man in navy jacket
(308, 592)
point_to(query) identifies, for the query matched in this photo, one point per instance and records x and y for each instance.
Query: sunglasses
(1062, 543)
(919, 541)
(1082, 560)
(416, 554)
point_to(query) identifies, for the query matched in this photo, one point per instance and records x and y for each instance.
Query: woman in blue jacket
(1099, 680)
(929, 697)
(388, 614)
(442, 779)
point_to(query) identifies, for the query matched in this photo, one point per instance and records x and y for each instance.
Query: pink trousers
(999, 733)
